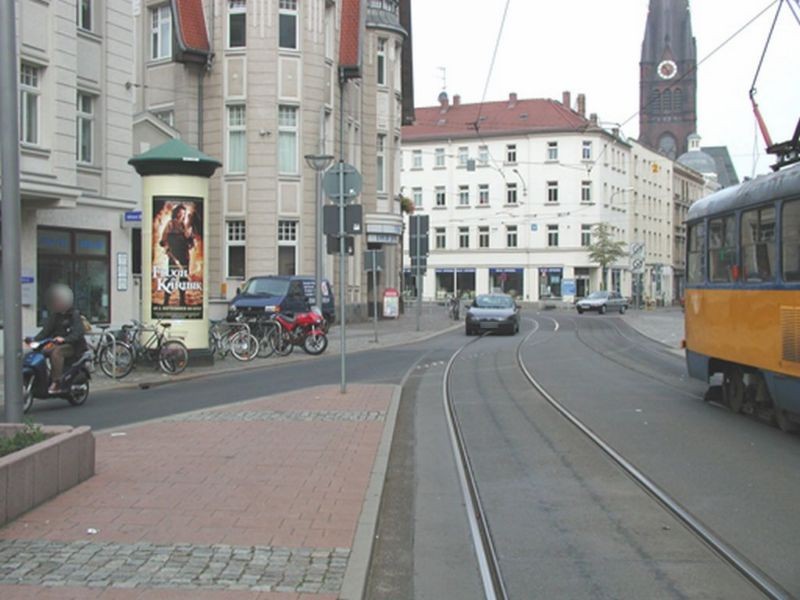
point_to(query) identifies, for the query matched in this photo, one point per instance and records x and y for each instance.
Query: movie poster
(178, 255)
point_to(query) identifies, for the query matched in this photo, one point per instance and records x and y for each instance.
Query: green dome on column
(174, 157)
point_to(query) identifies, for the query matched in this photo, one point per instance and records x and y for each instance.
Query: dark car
(493, 312)
(602, 302)
(281, 293)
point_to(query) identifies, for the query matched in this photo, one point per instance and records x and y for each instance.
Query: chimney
(594, 119)
(457, 100)
(582, 105)
(566, 99)
(512, 100)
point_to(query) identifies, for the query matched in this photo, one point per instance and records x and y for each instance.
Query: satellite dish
(443, 98)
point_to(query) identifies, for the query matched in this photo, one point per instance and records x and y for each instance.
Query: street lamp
(318, 162)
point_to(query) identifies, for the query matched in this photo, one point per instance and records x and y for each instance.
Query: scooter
(74, 384)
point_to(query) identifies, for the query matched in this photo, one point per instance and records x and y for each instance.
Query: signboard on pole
(638, 255)
(353, 182)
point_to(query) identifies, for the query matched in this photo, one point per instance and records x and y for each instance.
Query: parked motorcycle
(74, 384)
(306, 329)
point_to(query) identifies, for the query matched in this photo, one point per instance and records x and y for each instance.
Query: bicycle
(115, 357)
(453, 308)
(232, 337)
(268, 332)
(170, 355)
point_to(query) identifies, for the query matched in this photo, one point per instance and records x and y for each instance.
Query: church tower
(668, 88)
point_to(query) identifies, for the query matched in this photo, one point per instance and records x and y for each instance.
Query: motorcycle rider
(65, 327)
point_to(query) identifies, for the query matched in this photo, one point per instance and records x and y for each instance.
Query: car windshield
(597, 296)
(494, 302)
(266, 286)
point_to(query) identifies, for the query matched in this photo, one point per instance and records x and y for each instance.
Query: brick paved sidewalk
(257, 500)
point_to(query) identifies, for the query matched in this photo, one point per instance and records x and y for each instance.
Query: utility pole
(342, 242)
(12, 221)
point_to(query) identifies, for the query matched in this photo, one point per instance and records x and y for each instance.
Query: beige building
(256, 84)
(75, 139)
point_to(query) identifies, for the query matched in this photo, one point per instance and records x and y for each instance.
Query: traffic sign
(353, 217)
(637, 265)
(333, 245)
(353, 182)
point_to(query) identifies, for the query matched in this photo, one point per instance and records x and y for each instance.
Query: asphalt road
(106, 409)
(736, 474)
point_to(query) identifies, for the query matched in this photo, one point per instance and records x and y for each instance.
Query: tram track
(483, 541)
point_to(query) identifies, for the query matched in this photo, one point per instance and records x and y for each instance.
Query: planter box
(37, 473)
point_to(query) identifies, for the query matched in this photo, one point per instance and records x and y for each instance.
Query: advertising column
(174, 241)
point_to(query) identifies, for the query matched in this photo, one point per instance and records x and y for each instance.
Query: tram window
(722, 249)
(759, 252)
(697, 249)
(790, 238)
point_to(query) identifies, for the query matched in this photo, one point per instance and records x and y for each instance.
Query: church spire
(668, 104)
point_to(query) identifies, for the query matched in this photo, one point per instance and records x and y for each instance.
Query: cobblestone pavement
(261, 497)
(220, 567)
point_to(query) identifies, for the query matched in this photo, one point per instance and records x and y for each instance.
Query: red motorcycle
(306, 329)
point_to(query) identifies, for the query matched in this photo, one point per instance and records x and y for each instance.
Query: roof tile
(192, 25)
(509, 116)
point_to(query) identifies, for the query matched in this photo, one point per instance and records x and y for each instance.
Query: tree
(407, 205)
(604, 250)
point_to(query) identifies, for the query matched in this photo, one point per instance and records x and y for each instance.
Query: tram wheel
(733, 389)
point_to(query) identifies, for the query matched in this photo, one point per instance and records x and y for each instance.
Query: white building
(75, 140)
(521, 219)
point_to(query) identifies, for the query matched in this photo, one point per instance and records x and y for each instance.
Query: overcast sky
(594, 47)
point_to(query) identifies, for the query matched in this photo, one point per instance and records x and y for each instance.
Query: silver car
(602, 302)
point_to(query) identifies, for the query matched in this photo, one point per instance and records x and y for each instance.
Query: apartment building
(259, 84)
(75, 139)
(513, 190)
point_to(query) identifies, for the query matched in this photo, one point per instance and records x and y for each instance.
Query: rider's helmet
(59, 298)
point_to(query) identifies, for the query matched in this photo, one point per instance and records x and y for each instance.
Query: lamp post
(318, 162)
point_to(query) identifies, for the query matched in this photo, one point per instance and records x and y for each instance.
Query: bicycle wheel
(173, 357)
(116, 361)
(282, 342)
(215, 346)
(266, 346)
(244, 346)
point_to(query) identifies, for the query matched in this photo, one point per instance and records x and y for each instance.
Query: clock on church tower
(668, 87)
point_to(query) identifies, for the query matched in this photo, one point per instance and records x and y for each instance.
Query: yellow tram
(743, 295)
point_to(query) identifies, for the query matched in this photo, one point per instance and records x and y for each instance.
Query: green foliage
(604, 250)
(407, 205)
(29, 435)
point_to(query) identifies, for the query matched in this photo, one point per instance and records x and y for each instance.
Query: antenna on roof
(444, 77)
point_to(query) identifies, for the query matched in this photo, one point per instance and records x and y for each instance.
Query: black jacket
(67, 325)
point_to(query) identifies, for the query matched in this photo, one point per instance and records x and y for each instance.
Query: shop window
(81, 260)
(550, 282)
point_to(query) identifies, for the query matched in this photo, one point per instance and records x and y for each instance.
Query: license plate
(490, 325)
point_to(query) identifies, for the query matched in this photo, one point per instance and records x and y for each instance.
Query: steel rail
(482, 542)
(743, 565)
